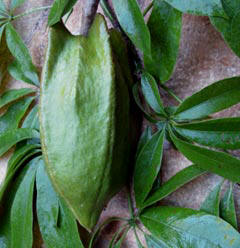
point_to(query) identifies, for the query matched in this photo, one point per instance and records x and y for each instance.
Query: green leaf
(153, 242)
(12, 137)
(2, 6)
(218, 96)
(231, 7)
(59, 9)
(138, 102)
(11, 119)
(212, 202)
(18, 160)
(120, 241)
(229, 27)
(219, 133)
(13, 95)
(57, 225)
(132, 22)
(147, 166)
(2, 28)
(145, 137)
(15, 4)
(227, 208)
(182, 177)
(181, 227)
(165, 25)
(120, 51)
(151, 93)
(235, 33)
(16, 71)
(5, 224)
(22, 209)
(219, 163)
(196, 7)
(32, 119)
(23, 64)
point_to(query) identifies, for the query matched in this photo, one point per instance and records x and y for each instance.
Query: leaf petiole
(170, 93)
(30, 12)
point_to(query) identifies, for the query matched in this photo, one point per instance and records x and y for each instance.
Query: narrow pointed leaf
(11, 119)
(218, 96)
(58, 227)
(211, 204)
(181, 227)
(32, 119)
(16, 71)
(165, 25)
(220, 133)
(151, 93)
(13, 168)
(12, 137)
(227, 208)
(22, 210)
(182, 177)
(138, 102)
(132, 22)
(23, 62)
(219, 163)
(196, 7)
(59, 9)
(147, 166)
(145, 137)
(5, 224)
(15, 4)
(13, 95)
(2, 28)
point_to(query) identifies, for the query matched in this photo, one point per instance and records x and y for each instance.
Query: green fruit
(84, 118)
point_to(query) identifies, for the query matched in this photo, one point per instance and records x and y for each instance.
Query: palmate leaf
(57, 224)
(22, 68)
(165, 26)
(212, 202)
(227, 208)
(219, 163)
(182, 177)
(147, 166)
(21, 211)
(211, 99)
(181, 227)
(220, 133)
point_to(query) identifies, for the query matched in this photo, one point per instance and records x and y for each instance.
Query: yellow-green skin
(84, 119)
